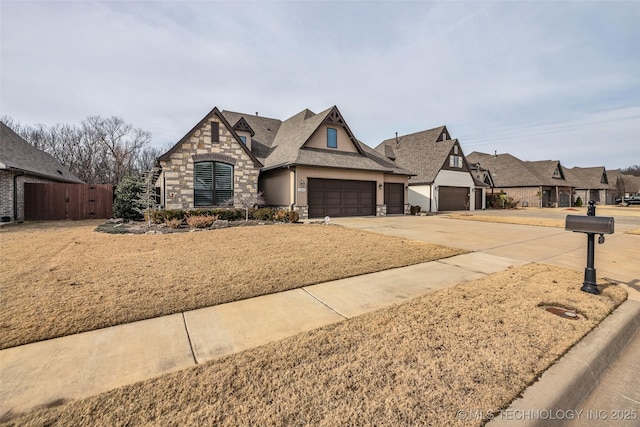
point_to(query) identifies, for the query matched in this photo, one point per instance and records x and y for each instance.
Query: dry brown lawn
(545, 222)
(63, 278)
(472, 347)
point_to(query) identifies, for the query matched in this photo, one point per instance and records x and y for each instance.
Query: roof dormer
(244, 131)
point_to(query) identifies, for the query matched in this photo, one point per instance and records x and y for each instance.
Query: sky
(538, 80)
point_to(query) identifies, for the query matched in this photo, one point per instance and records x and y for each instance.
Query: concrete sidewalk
(76, 366)
(50, 372)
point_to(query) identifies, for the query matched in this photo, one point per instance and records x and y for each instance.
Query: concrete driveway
(617, 259)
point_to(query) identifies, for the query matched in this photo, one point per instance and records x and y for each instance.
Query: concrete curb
(567, 383)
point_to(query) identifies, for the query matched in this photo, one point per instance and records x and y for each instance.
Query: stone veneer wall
(303, 211)
(178, 171)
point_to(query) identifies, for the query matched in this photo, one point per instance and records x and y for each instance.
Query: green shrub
(578, 202)
(161, 216)
(229, 214)
(263, 214)
(128, 199)
(274, 214)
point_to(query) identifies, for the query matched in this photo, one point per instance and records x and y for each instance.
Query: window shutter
(451, 161)
(224, 183)
(203, 184)
(215, 132)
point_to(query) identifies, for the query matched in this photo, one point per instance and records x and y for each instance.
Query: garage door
(453, 198)
(335, 198)
(394, 198)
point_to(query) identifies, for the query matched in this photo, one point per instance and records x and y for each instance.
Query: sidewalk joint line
(325, 304)
(519, 242)
(441, 261)
(193, 353)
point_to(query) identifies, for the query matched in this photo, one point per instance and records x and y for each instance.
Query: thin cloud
(539, 80)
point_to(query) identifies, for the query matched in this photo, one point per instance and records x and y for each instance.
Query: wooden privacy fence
(67, 201)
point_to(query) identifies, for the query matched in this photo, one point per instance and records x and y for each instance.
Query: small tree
(579, 202)
(128, 203)
(503, 198)
(247, 201)
(148, 196)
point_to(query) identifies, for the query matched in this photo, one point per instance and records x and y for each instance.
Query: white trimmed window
(455, 161)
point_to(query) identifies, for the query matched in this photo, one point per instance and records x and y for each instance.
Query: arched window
(213, 184)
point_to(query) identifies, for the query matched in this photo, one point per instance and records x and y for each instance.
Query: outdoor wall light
(302, 184)
(380, 186)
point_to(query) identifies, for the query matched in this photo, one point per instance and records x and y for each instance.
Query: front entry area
(339, 198)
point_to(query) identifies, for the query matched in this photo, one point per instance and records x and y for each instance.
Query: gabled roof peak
(242, 125)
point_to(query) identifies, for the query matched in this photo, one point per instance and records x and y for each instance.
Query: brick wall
(178, 171)
(6, 193)
(525, 195)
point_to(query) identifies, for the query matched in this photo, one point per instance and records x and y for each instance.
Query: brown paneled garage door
(336, 197)
(453, 198)
(394, 198)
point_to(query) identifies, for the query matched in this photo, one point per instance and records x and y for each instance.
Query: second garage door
(394, 198)
(336, 198)
(453, 198)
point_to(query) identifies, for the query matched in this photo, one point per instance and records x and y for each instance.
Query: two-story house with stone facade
(310, 163)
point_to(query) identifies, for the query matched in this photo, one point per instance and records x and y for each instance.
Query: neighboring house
(630, 185)
(20, 163)
(310, 163)
(443, 180)
(540, 183)
(592, 184)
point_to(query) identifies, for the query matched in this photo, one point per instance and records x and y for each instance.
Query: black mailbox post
(591, 225)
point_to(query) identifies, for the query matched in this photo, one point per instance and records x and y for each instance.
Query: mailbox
(589, 224)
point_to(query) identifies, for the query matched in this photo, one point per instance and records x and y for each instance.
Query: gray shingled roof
(545, 169)
(421, 153)
(18, 154)
(265, 129)
(631, 183)
(281, 143)
(292, 135)
(225, 122)
(509, 171)
(589, 178)
(288, 148)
